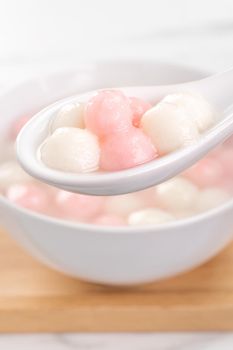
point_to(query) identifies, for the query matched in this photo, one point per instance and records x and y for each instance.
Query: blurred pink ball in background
(109, 220)
(77, 206)
(30, 196)
(17, 125)
(206, 173)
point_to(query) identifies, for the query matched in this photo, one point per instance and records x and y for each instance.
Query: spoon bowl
(216, 89)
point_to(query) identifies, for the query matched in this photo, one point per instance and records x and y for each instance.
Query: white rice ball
(169, 127)
(149, 216)
(195, 107)
(186, 213)
(71, 150)
(211, 198)
(71, 115)
(125, 204)
(176, 195)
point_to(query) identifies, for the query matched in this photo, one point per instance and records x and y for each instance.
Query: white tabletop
(40, 35)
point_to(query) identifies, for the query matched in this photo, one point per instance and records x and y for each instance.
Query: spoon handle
(218, 89)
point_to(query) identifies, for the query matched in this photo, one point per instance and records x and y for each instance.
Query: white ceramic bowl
(127, 255)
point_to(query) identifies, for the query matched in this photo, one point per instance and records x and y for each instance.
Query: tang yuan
(30, 196)
(77, 206)
(109, 220)
(123, 151)
(124, 204)
(112, 131)
(72, 150)
(207, 172)
(195, 107)
(226, 160)
(108, 112)
(150, 216)
(17, 126)
(71, 115)
(138, 107)
(169, 127)
(176, 195)
(210, 198)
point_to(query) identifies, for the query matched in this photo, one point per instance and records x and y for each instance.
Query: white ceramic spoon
(217, 89)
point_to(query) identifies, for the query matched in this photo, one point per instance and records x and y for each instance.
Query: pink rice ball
(77, 206)
(139, 107)
(226, 159)
(207, 172)
(30, 196)
(17, 125)
(109, 220)
(108, 112)
(126, 150)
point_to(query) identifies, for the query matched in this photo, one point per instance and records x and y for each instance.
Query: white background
(53, 33)
(43, 35)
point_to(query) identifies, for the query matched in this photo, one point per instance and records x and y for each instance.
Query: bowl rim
(99, 229)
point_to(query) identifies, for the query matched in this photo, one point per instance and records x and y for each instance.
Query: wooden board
(34, 298)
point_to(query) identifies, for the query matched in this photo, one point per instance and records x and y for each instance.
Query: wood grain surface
(34, 298)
